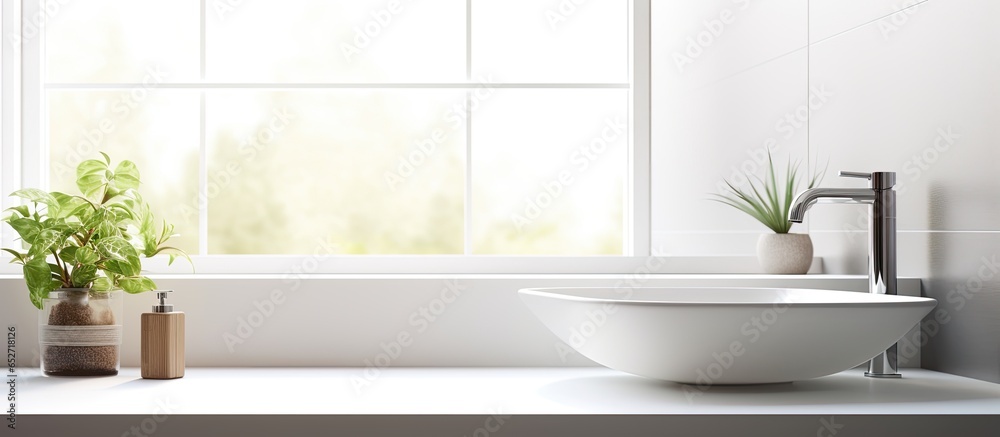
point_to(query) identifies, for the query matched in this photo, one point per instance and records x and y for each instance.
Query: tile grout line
(809, 44)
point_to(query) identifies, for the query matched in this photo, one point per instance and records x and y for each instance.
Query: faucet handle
(881, 180)
(854, 174)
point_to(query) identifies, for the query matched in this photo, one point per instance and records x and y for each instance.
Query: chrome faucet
(881, 246)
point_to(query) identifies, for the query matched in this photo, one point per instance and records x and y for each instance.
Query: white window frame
(25, 164)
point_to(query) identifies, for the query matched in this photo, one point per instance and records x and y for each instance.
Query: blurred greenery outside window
(373, 127)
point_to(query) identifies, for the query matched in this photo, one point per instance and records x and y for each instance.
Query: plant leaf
(82, 276)
(67, 205)
(129, 267)
(86, 255)
(82, 213)
(819, 175)
(766, 200)
(91, 176)
(59, 225)
(102, 284)
(20, 209)
(121, 256)
(18, 257)
(126, 176)
(108, 229)
(115, 248)
(38, 278)
(147, 232)
(37, 196)
(45, 241)
(137, 284)
(27, 228)
(95, 219)
(68, 254)
(173, 252)
(122, 211)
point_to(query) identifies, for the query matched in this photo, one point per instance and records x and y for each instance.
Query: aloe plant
(93, 240)
(766, 199)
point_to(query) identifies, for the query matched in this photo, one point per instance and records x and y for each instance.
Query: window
(377, 127)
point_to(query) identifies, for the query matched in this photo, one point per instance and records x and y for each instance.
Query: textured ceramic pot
(785, 254)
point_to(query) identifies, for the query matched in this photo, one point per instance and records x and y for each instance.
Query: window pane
(337, 41)
(550, 41)
(356, 171)
(123, 41)
(548, 168)
(366, 171)
(158, 130)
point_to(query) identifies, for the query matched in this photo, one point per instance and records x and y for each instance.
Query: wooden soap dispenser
(163, 341)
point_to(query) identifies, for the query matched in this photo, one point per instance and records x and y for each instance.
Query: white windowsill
(285, 265)
(757, 277)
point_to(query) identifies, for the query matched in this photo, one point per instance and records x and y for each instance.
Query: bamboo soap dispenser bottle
(163, 341)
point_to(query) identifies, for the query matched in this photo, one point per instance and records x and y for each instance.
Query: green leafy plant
(94, 240)
(766, 199)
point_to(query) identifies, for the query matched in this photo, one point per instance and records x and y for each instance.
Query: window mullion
(467, 238)
(468, 174)
(202, 180)
(34, 154)
(201, 39)
(638, 235)
(468, 40)
(202, 147)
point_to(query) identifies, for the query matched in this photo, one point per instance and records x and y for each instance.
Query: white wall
(920, 94)
(881, 92)
(916, 91)
(725, 74)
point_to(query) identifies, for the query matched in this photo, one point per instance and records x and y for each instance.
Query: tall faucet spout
(881, 243)
(808, 198)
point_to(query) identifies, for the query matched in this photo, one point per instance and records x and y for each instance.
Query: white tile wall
(919, 94)
(965, 280)
(924, 102)
(916, 92)
(725, 76)
(828, 18)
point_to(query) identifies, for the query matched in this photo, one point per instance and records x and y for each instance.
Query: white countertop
(507, 391)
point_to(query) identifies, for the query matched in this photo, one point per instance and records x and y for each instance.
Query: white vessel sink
(709, 336)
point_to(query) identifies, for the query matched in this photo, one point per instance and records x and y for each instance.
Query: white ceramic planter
(785, 254)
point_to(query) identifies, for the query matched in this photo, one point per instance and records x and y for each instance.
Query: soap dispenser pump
(163, 341)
